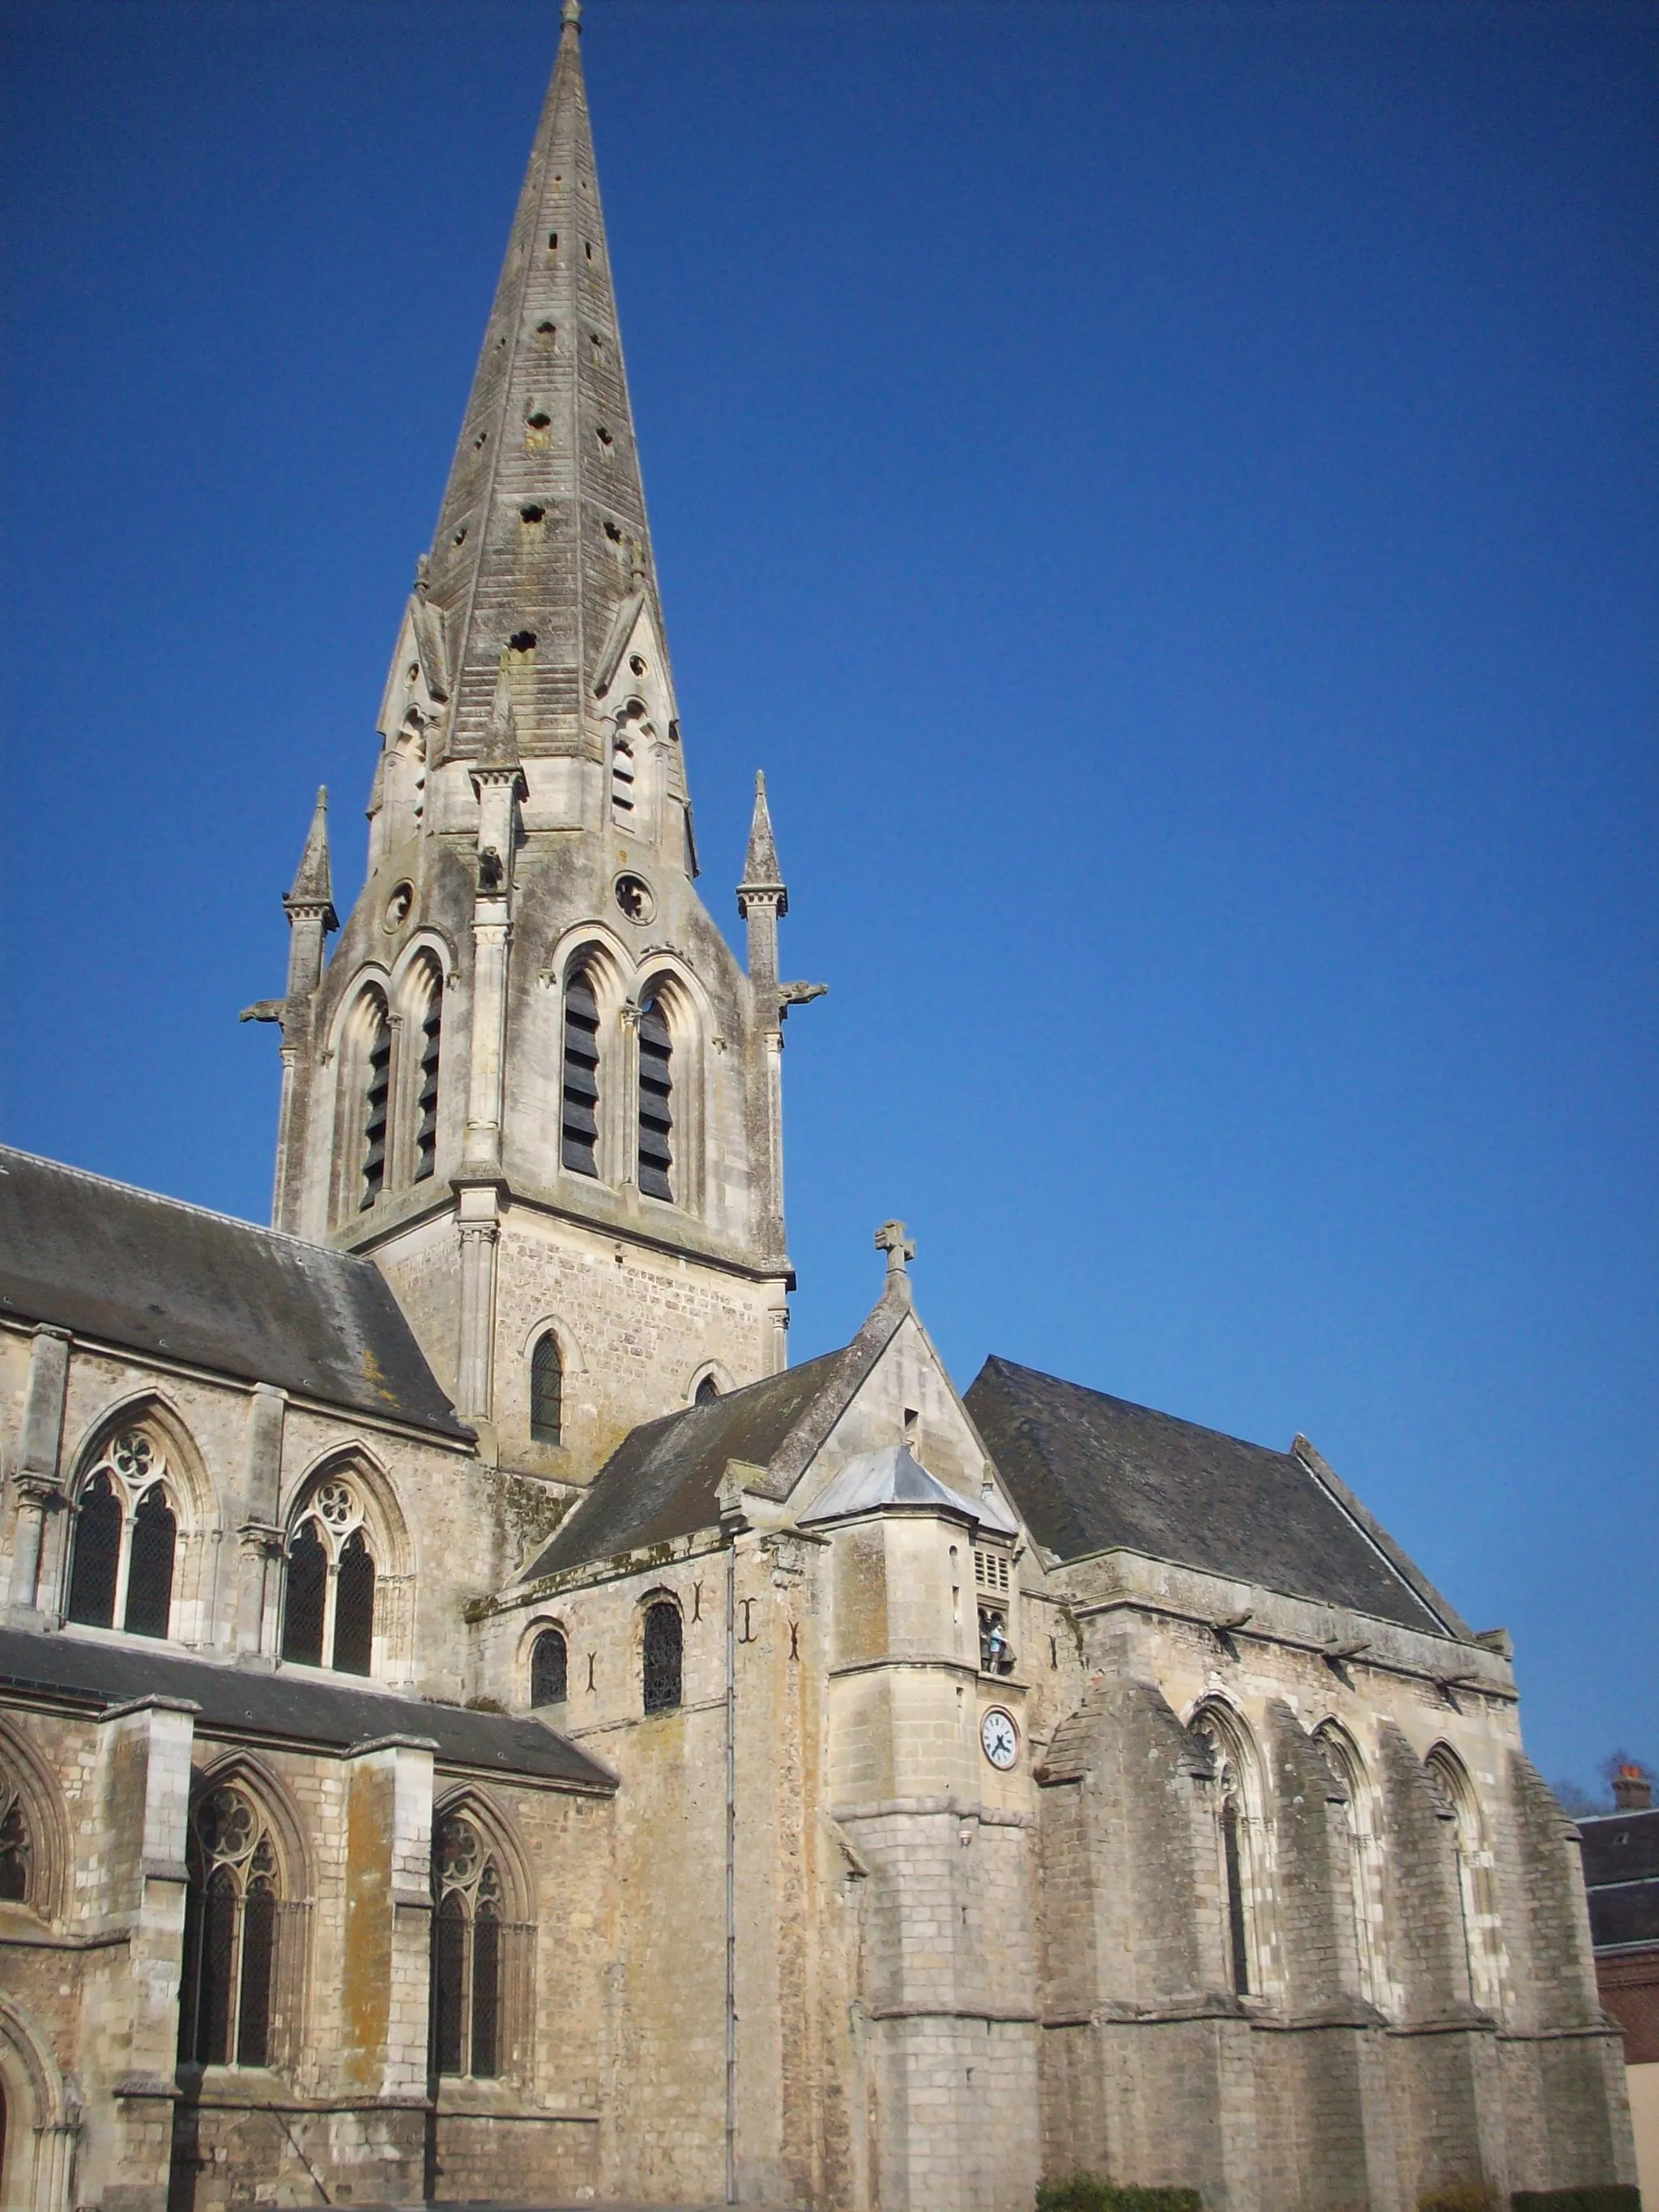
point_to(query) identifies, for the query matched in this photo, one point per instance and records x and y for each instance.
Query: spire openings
(548, 432)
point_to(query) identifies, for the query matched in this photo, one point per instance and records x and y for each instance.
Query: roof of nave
(1092, 1473)
(1621, 1853)
(156, 1276)
(663, 1480)
(286, 1707)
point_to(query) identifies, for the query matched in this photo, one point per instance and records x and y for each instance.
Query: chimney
(1632, 1791)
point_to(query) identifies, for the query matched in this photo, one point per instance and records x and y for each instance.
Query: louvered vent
(991, 1571)
(376, 1108)
(581, 1129)
(656, 1103)
(426, 1101)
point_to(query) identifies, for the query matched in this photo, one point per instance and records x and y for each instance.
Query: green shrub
(1088, 2192)
(1462, 2197)
(1601, 2197)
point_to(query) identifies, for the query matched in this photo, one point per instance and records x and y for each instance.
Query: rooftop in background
(151, 1275)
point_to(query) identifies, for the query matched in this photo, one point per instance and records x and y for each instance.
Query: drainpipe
(731, 1868)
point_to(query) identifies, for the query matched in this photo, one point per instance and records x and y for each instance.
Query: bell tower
(533, 1081)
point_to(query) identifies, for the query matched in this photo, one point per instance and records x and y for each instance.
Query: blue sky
(1168, 492)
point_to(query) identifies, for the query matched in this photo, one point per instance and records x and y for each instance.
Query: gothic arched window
(426, 1095)
(1237, 1855)
(16, 1845)
(377, 1099)
(656, 1102)
(580, 1125)
(546, 1391)
(126, 1533)
(466, 1952)
(663, 1641)
(707, 1391)
(1475, 1874)
(230, 1933)
(549, 1668)
(1364, 1856)
(328, 1611)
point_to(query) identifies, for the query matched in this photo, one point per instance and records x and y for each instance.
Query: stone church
(476, 1722)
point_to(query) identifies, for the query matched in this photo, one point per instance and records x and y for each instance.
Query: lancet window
(126, 1533)
(377, 1101)
(230, 1933)
(546, 1391)
(1364, 1859)
(580, 1130)
(328, 1612)
(664, 1643)
(1475, 1875)
(705, 1392)
(549, 1668)
(656, 1102)
(16, 1845)
(1236, 1853)
(426, 1093)
(466, 1952)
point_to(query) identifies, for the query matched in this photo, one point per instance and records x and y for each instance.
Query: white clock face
(999, 1738)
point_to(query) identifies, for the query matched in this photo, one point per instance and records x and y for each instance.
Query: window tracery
(466, 1951)
(230, 1933)
(16, 1845)
(329, 1604)
(127, 1534)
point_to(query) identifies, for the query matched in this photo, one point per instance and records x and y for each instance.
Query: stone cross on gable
(891, 1240)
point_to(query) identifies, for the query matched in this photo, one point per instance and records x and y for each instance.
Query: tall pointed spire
(762, 876)
(313, 888)
(542, 536)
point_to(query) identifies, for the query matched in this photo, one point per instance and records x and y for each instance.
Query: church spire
(542, 543)
(312, 883)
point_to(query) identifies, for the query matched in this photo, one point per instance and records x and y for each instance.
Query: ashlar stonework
(477, 1723)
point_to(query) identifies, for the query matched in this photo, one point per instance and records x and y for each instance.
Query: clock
(999, 1738)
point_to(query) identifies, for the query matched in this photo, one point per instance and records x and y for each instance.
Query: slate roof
(1091, 1473)
(1620, 1852)
(663, 1480)
(155, 1275)
(891, 1476)
(285, 1707)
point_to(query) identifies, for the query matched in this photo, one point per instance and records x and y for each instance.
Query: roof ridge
(1135, 1405)
(183, 1205)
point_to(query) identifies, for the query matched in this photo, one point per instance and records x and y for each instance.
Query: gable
(1092, 1473)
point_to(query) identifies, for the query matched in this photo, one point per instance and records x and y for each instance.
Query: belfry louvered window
(377, 1105)
(580, 1133)
(426, 1097)
(656, 1103)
